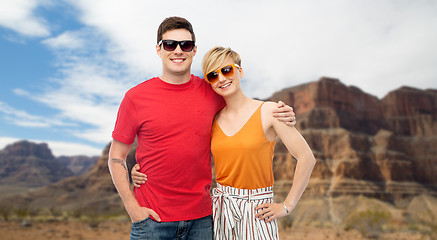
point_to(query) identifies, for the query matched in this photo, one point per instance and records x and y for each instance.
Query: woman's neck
(237, 101)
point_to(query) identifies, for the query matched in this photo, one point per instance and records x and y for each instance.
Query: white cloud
(89, 86)
(18, 15)
(72, 149)
(285, 43)
(24, 119)
(68, 40)
(58, 148)
(87, 95)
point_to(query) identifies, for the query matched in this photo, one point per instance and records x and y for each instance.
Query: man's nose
(178, 49)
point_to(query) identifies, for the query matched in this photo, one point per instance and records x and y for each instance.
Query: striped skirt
(234, 213)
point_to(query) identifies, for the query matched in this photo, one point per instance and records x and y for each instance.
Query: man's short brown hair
(172, 23)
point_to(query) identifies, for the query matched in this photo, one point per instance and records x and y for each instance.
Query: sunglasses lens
(212, 77)
(169, 45)
(227, 71)
(187, 46)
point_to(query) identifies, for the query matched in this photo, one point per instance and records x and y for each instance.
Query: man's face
(176, 62)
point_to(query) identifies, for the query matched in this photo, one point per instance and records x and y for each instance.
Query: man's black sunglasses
(171, 45)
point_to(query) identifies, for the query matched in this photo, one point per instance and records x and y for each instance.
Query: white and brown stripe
(234, 214)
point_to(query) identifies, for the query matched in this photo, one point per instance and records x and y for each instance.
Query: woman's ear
(241, 72)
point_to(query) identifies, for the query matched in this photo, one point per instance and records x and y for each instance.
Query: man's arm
(120, 178)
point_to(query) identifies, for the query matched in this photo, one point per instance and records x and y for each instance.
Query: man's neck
(176, 79)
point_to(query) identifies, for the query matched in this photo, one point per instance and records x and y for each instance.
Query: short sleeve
(126, 125)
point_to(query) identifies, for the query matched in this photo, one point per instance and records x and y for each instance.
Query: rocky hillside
(78, 164)
(384, 148)
(30, 165)
(91, 192)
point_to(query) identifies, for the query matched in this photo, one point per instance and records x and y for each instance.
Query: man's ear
(241, 72)
(194, 50)
(158, 50)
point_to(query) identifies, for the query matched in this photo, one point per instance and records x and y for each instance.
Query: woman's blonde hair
(215, 57)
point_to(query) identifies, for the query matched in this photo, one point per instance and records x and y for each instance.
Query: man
(171, 118)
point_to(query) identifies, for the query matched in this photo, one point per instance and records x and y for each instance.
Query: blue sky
(65, 65)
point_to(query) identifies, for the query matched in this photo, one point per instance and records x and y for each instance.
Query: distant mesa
(30, 165)
(25, 165)
(93, 191)
(78, 164)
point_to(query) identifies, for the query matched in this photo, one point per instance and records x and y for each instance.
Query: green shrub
(5, 210)
(369, 223)
(77, 214)
(21, 211)
(55, 212)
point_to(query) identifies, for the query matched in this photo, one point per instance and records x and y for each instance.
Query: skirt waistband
(247, 194)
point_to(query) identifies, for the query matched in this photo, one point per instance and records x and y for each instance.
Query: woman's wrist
(286, 209)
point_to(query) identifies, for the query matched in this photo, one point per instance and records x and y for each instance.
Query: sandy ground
(120, 230)
(64, 230)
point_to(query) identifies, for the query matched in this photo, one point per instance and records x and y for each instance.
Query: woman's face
(229, 82)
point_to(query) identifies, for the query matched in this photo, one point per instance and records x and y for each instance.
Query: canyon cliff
(382, 148)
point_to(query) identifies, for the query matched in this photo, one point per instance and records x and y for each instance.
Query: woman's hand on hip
(270, 211)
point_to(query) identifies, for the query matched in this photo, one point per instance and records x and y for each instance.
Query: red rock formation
(410, 111)
(364, 146)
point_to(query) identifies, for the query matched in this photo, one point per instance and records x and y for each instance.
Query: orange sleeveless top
(244, 160)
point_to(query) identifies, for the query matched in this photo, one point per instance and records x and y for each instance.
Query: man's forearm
(120, 162)
(120, 178)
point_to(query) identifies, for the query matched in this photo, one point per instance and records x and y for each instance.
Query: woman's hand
(138, 178)
(270, 211)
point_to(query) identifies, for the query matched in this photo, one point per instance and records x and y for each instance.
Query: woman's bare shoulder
(269, 106)
(267, 110)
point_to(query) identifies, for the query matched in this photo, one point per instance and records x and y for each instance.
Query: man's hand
(285, 113)
(141, 213)
(138, 178)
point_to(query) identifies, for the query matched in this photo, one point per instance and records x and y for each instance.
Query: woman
(242, 144)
